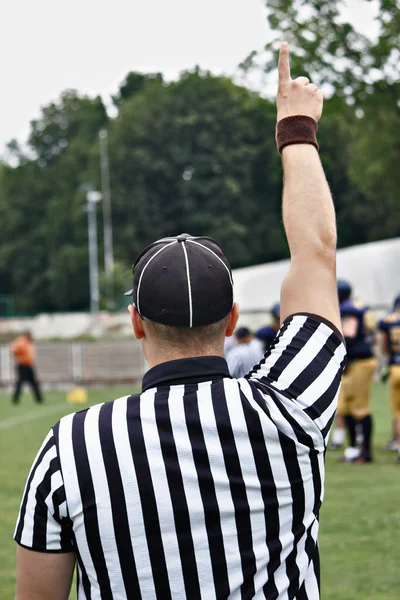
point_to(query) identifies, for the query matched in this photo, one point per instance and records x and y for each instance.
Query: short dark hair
(242, 332)
(189, 338)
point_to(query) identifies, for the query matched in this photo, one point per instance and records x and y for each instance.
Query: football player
(390, 345)
(268, 333)
(354, 410)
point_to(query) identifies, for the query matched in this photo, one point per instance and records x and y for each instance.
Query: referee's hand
(296, 96)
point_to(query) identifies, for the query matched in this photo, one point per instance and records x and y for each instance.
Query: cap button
(183, 237)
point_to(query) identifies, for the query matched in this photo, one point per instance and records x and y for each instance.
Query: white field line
(41, 412)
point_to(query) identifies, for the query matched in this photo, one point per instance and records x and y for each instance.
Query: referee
(203, 486)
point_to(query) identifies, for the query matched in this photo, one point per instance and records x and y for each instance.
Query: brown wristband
(296, 130)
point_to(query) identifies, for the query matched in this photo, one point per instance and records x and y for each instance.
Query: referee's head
(182, 298)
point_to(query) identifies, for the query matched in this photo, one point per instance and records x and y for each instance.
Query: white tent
(372, 269)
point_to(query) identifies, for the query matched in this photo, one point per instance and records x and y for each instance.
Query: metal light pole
(93, 198)
(107, 221)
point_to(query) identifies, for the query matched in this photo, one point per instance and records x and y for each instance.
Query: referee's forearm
(308, 211)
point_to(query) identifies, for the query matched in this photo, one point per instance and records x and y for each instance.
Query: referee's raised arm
(308, 212)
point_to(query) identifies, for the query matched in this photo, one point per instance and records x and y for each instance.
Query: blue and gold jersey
(391, 326)
(361, 345)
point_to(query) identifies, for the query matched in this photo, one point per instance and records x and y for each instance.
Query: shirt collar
(186, 370)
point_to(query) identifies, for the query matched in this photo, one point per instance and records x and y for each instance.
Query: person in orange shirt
(25, 357)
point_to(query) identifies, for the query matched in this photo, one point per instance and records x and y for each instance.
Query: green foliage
(121, 283)
(43, 255)
(134, 83)
(333, 51)
(74, 120)
(186, 158)
(374, 168)
(198, 155)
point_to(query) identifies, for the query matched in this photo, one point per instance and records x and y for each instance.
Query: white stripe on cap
(189, 286)
(145, 267)
(216, 256)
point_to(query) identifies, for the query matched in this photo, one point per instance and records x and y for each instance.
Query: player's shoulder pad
(359, 305)
(352, 308)
(392, 318)
(266, 330)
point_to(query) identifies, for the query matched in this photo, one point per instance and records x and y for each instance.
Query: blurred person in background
(245, 354)
(390, 346)
(24, 354)
(229, 343)
(268, 333)
(354, 409)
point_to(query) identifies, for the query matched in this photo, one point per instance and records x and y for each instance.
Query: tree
(187, 157)
(23, 255)
(134, 83)
(43, 255)
(374, 169)
(196, 155)
(74, 118)
(332, 51)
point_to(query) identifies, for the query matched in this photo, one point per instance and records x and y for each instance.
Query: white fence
(59, 363)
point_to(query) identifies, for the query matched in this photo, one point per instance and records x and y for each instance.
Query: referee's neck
(159, 358)
(162, 344)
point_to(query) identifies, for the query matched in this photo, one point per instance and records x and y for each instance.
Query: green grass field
(360, 517)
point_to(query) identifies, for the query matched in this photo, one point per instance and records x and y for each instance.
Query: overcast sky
(47, 46)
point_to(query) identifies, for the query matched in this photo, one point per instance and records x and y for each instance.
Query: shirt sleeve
(305, 364)
(43, 523)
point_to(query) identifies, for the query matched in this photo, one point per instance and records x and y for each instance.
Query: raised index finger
(284, 63)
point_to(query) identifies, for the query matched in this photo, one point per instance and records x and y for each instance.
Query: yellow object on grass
(78, 395)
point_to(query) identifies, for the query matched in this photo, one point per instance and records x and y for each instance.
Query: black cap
(182, 281)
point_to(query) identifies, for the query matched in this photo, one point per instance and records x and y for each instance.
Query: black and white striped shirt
(202, 487)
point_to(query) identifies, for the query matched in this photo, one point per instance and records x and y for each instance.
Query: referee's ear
(233, 319)
(137, 322)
